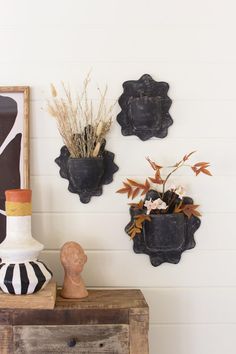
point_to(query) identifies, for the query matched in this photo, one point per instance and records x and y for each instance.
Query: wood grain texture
(44, 299)
(13, 89)
(70, 317)
(106, 299)
(107, 321)
(26, 140)
(26, 101)
(86, 339)
(100, 307)
(139, 325)
(6, 340)
(5, 317)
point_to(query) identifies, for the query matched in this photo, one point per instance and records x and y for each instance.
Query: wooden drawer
(107, 321)
(83, 339)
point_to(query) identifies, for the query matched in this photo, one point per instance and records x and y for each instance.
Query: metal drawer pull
(71, 343)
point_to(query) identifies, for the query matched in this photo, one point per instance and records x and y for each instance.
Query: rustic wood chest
(107, 321)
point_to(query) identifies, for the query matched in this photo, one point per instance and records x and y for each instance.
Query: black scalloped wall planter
(145, 108)
(166, 236)
(86, 176)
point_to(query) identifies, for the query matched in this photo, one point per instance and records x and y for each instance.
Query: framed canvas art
(14, 144)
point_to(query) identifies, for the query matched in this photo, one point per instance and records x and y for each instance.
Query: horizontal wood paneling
(191, 305)
(51, 195)
(60, 40)
(53, 230)
(115, 13)
(192, 339)
(188, 80)
(192, 119)
(44, 152)
(125, 268)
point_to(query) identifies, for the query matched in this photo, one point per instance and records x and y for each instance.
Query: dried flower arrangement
(82, 127)
(162, 201)
(83, 160)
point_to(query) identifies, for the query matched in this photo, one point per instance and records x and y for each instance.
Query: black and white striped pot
(23, 278)
(20, 270)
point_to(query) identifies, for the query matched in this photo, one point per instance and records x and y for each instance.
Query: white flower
(149, 205)
(159, 204)
(180, 191)
(156, 204)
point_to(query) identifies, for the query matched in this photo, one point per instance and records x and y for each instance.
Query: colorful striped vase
(20, 270)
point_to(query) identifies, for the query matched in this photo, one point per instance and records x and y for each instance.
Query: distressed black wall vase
(86, 176)
(145, 108)
(166, 236)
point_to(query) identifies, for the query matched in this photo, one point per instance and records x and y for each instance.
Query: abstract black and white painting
(14, 144)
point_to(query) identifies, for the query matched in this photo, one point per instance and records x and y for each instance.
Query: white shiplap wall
(190, 44)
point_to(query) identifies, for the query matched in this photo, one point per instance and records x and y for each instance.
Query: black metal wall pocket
(86, 176)
(145, 108)
(166, 236)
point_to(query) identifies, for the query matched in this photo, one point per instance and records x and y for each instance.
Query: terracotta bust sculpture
(73, 259)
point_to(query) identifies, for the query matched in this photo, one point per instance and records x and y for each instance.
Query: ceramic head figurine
(73, 259)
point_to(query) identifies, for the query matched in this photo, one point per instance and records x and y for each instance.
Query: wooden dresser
(107, 321)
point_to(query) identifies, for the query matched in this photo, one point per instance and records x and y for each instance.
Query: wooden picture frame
(14, 143)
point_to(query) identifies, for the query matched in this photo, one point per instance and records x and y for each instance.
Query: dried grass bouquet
(82, 126)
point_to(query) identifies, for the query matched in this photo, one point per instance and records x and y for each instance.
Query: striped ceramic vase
(20, 270)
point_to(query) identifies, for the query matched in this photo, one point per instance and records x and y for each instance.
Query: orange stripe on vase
(18, 195)
(18, 202)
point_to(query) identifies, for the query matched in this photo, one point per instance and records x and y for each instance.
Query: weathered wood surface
(70, 317)
(5, 317)
(105, 299)
(6, 340)
(100, 307)
(113, 339)
(139, 326)
(44, 299)
(113, 312)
